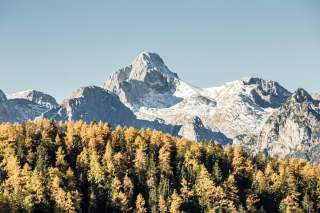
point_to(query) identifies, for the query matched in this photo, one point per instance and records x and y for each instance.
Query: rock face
(244, 105)
(194, 129)
(93, 104)
(146, 82)
(26, 105)
(3, 97)
(19, 110)
(154, 92)
(24, 110)
(6, 113)
(97, 104)
(293, 130)
(37, 97)
(266, 93)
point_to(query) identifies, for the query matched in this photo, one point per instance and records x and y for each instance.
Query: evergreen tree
(140, 204)
(79, 167)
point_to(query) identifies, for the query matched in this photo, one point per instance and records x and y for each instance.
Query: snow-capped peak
(147, 81)
(149, 58)
(146, 63)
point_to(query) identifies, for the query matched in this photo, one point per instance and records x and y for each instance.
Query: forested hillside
(78, 167)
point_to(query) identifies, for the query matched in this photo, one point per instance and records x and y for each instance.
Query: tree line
(47, 166)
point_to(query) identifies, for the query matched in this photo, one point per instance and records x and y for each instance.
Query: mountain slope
(19, 110)
(25, 110)
(255, 113)
(153, 92)
(244, 105)
(6, 113)
(37, 97)
(92, 104)
(293, 130)
(146, 82)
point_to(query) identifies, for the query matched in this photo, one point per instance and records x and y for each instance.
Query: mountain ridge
(147, 94)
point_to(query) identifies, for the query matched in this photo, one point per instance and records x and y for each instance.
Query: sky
(58, 46)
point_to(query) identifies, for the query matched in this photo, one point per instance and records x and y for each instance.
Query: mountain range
(258, 114)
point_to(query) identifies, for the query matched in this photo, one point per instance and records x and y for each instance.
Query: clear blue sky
(57, 46)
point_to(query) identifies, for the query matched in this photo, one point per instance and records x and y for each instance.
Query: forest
(48, 166)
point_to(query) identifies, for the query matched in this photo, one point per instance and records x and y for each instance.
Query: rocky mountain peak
(3, 96)
(265, 84)
(37, 97)
(266, 93)
(301, 95)
(147, 81)
(149, 58)
(146, 63)
(294, 129)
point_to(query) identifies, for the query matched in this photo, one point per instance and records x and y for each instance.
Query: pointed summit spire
(148, 62)
(149, 58)
(146, 78)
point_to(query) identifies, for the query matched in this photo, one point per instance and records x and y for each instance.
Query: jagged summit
(37, 97)
(267, 84)
(149, 59)
(267, 93)
(301, 95)
(294, 129)
(146, 67)
(147, 81)
(253, 80)
(149, 62)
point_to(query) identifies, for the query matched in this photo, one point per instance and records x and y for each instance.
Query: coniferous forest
(77, 167)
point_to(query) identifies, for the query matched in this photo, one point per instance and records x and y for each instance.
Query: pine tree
(165, 159)
(217, 173)
(290, 204)
(108, 159)
(162, 205)
(252, 201)
(307, 203)
(231, 189)
(128, 188)
(80, 167)
(60, 158)
(140, 163)
(176, 202)
(140, 204)
(186, 192)
(96, 173)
